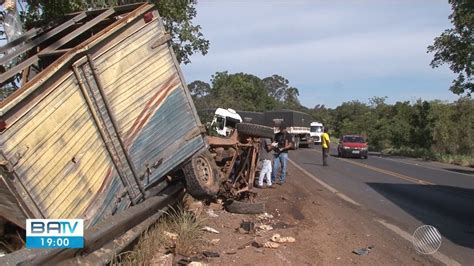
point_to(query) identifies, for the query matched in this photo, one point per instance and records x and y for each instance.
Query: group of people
(274, 156)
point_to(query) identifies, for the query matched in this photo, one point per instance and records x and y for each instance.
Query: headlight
(346, 147)
(364, 148)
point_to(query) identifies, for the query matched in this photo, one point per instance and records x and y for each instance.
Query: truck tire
(202, 176)
(255, 130)
(245, 207)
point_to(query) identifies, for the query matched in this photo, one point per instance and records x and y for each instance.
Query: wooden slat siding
(9, 206)
(167, 130)
(113, 142)
(60, 187)
(130, 71)
(107, 201)
(45, 107)
(139, 82)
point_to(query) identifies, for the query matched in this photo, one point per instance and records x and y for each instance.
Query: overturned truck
(100, 119)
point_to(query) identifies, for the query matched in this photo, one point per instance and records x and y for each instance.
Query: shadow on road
(462, 171)
(449, 209)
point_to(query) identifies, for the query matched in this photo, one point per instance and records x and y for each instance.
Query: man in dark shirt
(282, 145)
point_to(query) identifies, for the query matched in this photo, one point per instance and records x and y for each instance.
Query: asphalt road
(405, 193)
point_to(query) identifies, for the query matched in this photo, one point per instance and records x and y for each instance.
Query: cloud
(316, 44)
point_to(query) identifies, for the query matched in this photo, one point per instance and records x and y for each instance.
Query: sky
(332, 51)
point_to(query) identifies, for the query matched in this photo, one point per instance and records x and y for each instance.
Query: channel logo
(54, 233)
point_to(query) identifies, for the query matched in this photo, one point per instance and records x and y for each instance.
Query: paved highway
(405, 193)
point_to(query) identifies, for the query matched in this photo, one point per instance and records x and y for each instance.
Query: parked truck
(101, 117)
(297, 123)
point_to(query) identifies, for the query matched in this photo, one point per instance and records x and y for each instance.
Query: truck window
(316, 129)
(220, 122)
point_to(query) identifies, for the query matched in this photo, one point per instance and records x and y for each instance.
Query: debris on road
(257, 244)
(165, 260)
(245, 207)
(193, 205)
(210, 230)
(264, 216)
(279, 239)
(270, 244)
(211, 254)
(215, 241)
(170, 235)
(265, 227)
(362, 251)
(247, 227)
(211, 213)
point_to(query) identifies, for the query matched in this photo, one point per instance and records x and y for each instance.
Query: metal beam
(26, 36)
(17, 69)
(43, 38)
(79, 30)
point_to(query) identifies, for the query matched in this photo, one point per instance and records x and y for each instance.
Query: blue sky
(332, 51)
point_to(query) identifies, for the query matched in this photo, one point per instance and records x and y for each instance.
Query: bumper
(354, 153)
(317, 139)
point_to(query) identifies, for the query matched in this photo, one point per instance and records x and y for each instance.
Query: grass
(154, 242)
(462, 160)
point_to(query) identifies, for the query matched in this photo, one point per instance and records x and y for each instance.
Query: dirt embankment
(326, 230)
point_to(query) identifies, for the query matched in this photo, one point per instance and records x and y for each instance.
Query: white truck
(297, 124)
(316, 131)
(225, 120)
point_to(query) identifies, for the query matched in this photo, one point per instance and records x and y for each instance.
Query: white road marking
(438, 255)
(421, 165)
(325, 185)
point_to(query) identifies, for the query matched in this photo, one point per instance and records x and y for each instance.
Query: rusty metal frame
(51, 50)
(18, 189)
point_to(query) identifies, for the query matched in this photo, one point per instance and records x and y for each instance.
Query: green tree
(199, 89)
(456, 46)
(420, 123)
(278, 87)
(240, 91)
(177, 16)
(400, 127)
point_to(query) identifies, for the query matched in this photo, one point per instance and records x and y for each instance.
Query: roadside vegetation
(433, 130)
(178, 232)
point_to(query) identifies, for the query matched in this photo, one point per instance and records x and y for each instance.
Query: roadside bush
(183, 225)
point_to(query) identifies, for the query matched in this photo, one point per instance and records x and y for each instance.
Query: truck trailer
(101, 116)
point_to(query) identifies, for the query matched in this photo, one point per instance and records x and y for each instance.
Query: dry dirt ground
(326, 228)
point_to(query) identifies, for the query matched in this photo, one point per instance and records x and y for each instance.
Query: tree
(240, 91)
(278, 88)
(199, 89)
(456, 46)
(177, 16)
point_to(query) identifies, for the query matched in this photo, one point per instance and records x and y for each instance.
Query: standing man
(325, 144)
(281, 146)
(266, 157)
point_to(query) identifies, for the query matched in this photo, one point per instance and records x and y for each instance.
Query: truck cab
(316, 130)
(225, 120)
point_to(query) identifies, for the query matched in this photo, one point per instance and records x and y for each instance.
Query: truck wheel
(245, 207)
(255, 130)
(202, 176)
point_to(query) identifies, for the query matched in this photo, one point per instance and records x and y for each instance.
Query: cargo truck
(297, 123)
(101, 117)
